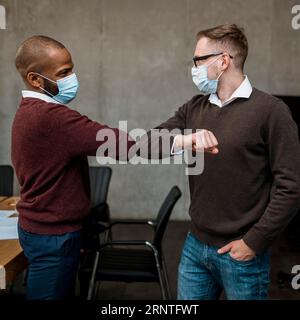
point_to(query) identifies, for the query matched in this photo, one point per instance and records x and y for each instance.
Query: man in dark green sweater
(248, 191)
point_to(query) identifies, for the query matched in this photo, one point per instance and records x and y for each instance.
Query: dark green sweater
(251, 189)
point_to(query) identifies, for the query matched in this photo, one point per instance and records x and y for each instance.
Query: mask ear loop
(219, 76)
(45, 77)
(48, 80)
(214, 62)
(51, 95)
(47, 92)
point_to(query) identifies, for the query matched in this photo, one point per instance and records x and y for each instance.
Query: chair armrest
(124, 243)
(132, 222)
(130, 242)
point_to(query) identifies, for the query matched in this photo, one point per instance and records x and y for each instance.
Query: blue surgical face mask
(67, 88)
(200, 78)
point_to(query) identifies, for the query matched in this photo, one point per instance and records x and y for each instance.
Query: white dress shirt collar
(38, 95)
(243, 91)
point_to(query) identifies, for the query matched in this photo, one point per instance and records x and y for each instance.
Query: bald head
(40, 58)
(33, 54)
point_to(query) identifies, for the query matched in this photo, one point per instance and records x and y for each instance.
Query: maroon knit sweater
(50, 145)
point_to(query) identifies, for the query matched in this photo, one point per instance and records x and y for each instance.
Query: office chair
(133, 260)
(99, 183)
(94, 227)
(6, 180)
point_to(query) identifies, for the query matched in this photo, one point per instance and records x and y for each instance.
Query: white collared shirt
(38, 95)
(243, 91)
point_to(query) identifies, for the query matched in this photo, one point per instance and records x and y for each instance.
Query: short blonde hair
(231, 37)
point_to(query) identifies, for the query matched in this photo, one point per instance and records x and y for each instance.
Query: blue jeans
(53, 263)
(204, 273)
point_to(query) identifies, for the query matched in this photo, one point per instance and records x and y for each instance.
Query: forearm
(156, 144)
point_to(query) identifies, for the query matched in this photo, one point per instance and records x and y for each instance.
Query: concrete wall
(133, 58)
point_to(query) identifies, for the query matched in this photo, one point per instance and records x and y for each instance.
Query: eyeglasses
(202, 58)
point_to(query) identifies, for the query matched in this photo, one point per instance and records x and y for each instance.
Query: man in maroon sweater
(50, 145)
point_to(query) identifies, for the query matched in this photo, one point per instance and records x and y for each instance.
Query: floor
(283, 258)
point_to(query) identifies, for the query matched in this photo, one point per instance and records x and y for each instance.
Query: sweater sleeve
(82, 136)
(283, 149)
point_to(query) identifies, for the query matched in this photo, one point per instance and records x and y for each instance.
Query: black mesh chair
(133, 260)
(6, 180)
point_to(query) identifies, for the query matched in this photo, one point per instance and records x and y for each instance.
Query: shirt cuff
(175, 151)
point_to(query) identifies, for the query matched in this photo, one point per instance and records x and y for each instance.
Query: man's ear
(225, 61)
(35, 80)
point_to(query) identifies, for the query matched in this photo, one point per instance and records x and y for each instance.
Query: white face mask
(200, 78)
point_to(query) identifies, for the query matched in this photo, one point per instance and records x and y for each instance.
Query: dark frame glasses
(201, 58)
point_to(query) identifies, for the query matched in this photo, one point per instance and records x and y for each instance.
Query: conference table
(8, 203)
(12, 259)
(2, 198)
